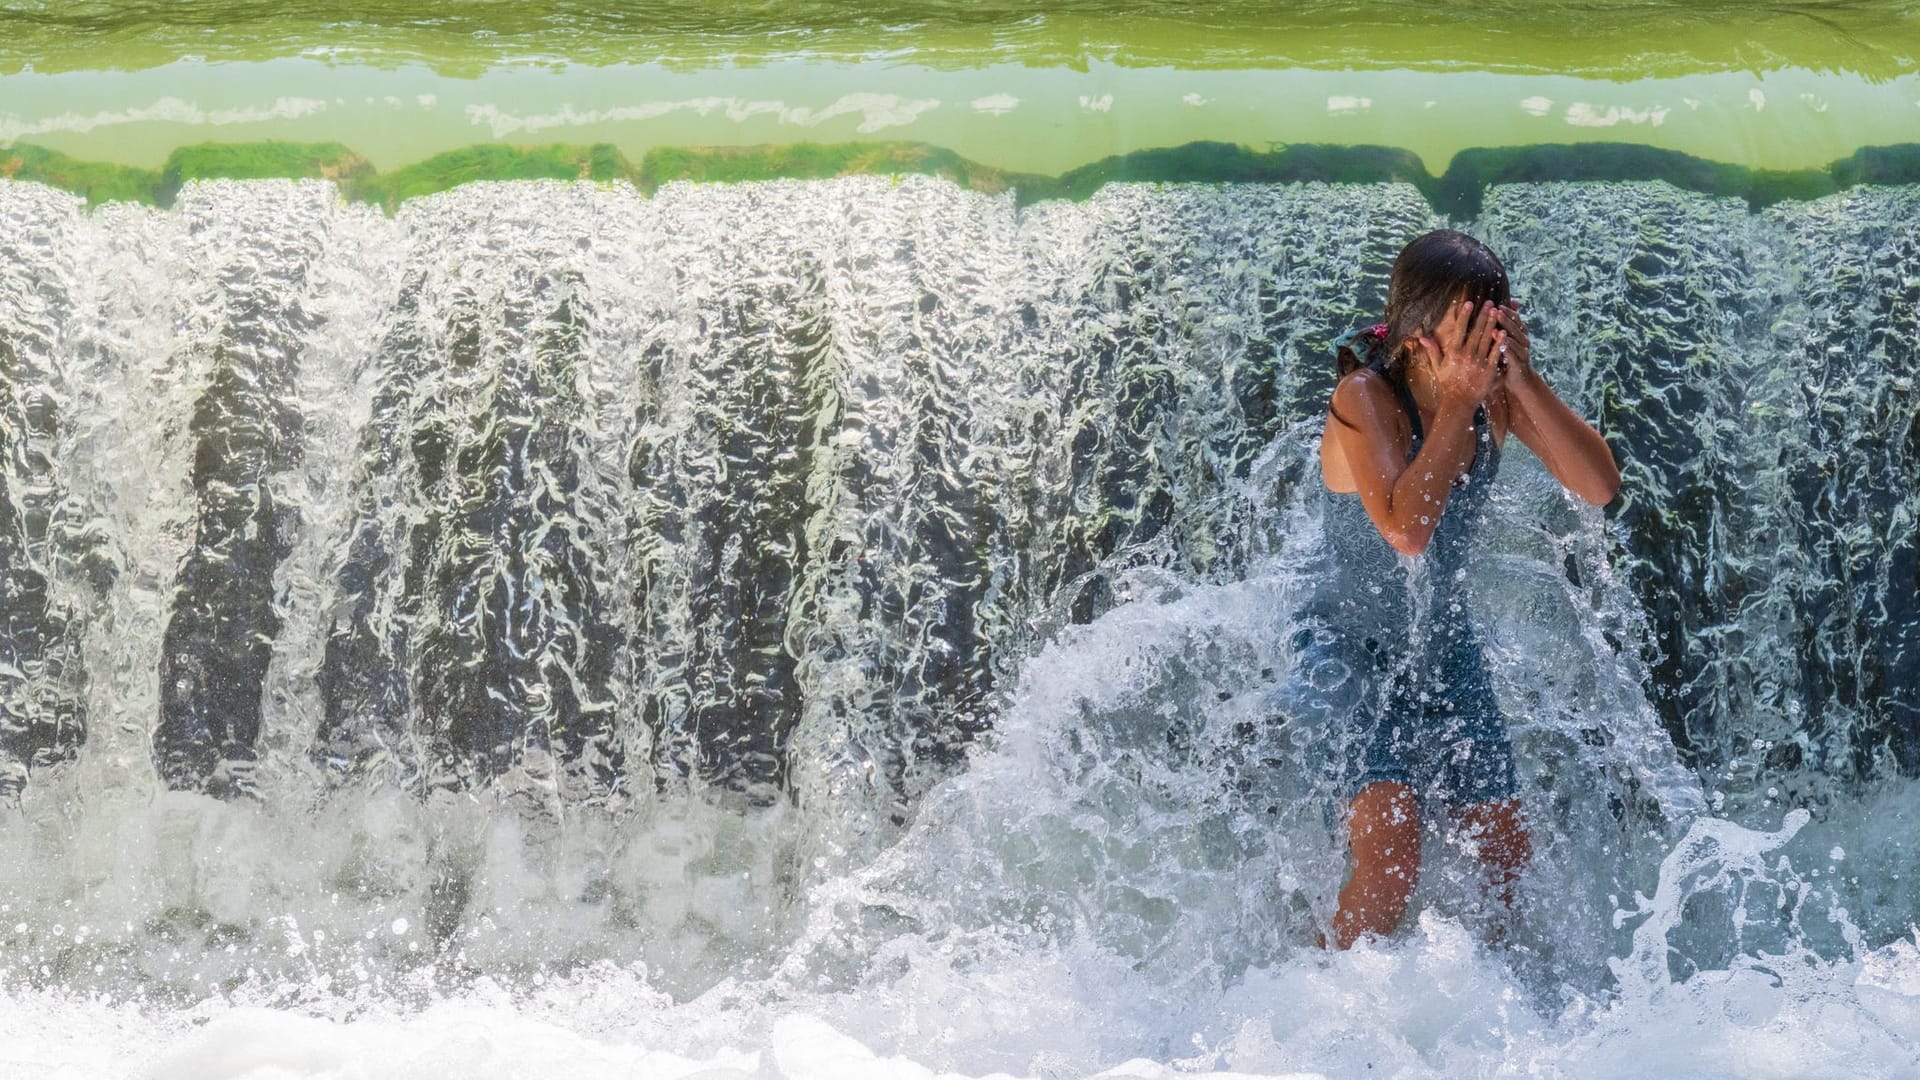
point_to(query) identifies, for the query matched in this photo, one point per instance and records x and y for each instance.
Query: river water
(843, 627)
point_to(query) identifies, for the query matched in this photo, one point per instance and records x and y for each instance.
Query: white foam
(1434, 1005)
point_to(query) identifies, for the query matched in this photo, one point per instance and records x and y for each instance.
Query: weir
(785, 540)
(694, 475)
(792, 500)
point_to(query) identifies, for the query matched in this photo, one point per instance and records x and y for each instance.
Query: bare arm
(1404, 500)
(1568, 446)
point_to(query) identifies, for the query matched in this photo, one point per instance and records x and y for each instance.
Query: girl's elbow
(1408, 543)
(1602, 490)
(1609, 477)
(1407, 539)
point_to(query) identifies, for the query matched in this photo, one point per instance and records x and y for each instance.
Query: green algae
(819, 161)
(557, 161)
(1878, 165)
(1473, 171)
(261, 161)
(1215, 162)
(1458, 192)
(95, 181)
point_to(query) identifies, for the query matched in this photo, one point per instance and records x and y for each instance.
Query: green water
(1619, 39)
(1010, 91)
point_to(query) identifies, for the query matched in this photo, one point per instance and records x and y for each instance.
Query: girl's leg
(1499, 835)
(1383, 832)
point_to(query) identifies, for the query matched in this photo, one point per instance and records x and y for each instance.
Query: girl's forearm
(1572, 451)
(1420, 492)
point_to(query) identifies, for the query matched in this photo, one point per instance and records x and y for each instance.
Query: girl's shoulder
(1368, 384)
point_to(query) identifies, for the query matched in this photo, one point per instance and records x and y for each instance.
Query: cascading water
(634, 632)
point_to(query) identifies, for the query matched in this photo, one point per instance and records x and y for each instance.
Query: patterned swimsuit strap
(1405, 395)
(1371, 342)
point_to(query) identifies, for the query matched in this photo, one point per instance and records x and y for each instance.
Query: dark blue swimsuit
(1390, 644)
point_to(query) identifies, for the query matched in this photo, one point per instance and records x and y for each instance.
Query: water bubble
(399, 927)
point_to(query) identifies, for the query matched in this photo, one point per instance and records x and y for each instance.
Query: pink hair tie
(1378, 330)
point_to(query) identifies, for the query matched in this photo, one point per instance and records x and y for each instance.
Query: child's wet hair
(1430, 273)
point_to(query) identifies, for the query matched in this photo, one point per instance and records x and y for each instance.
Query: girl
(1413, 438)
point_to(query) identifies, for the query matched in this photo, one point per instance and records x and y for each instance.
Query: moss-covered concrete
(94, 181)
(1878, 165)
(1228, 163)
(1458, 192)
(815, 161)
(260, 161)
(557, 161)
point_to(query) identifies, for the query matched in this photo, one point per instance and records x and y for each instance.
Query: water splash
(857, 599)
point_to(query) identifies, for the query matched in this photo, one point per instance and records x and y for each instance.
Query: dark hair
(1431, 272)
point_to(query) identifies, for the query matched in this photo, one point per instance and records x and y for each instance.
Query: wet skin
(1474, 356)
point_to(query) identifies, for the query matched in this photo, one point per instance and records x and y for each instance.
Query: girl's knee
(1387, 800)
(1499, 834)
(1384, 825)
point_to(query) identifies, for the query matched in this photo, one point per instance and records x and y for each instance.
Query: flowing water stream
(759, 627)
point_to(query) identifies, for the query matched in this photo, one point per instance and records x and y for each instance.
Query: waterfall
(549, 574)
(1758, 372)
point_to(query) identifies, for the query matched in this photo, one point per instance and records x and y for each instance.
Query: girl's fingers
(1481, 336)
(1466, 324)
(1510, 318)
(1449, 329)
(1502, 329)
(1516, 336)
